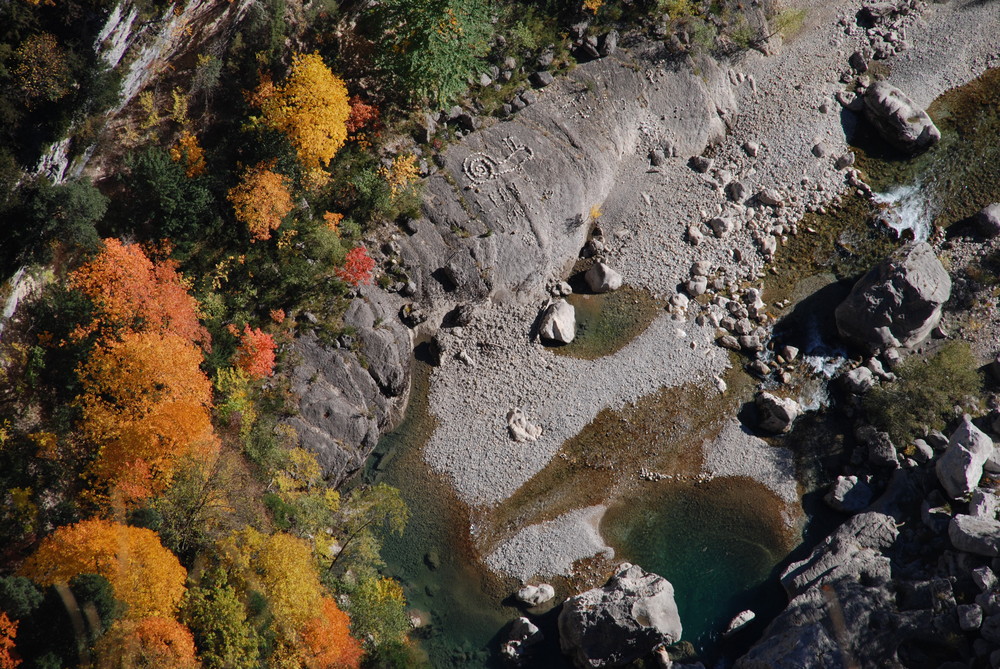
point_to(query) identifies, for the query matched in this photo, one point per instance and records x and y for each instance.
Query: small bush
(925, 392)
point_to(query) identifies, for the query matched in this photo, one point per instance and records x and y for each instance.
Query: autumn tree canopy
(8, 635)
(143, 574)
(312, 108)
(145, 405)
(147, 643)
(255, 354)
(130, 292)
(261, 201)
(328, 640)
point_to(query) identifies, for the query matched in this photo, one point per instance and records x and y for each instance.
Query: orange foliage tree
(328, 641)
(145, 405)
(143, 574)
(8, 633)
(255, 354)
(148, 643)
(311, 107)
(261, 200)
(130, 292)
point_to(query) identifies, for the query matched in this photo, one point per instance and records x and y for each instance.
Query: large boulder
(898, 302)
(900, 122)
(961, 466)
(853, 552)
(617, 624)
(776, 413)
(558, 322)
(975, 535)
(988, 220)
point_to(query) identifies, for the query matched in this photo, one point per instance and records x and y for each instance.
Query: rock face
(898, 302)
(844, 610)
(558, 322)
(345, 406)
(602, 279)
(898, 120)
(620, 622)
(961, 466)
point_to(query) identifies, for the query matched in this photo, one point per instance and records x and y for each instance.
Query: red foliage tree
(255, 354)
(362, 116)
(358, 267)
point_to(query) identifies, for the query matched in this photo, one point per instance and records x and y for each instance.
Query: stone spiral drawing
(481, 167)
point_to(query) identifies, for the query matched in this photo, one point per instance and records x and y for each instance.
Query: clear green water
(717, 543)
(605, 323)
(432, 558)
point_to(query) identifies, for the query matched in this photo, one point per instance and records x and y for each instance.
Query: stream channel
(722, 543)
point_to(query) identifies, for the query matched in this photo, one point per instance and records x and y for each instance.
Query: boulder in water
(558, 322)
(898, 302)
(900, 122)
(617, 624)
(602, 279)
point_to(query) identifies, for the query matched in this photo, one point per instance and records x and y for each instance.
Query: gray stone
(701, 163)
(859, 380)
(523, 634)
(736, 191)
(701, 268)
(609, 44)
(721, 226)
(898, 302)
(602, 279)
(696, 286)
(988, 220)
(961, 466)
(520, 429)
(990, 629)
(776, 413)
(983, 504)
(984, 578)
(980, 536)
(849, 495)
(858, 62)
(852, 552)
(558, 322)
(970, 616)
(751, 148)
(922, 451)
(770, 197)
(741, 620)
(844, 160)
(541, 79)
(617, 624)
(535, 595)
(898, 119)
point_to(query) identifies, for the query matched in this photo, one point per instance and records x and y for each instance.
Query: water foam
(906, 208)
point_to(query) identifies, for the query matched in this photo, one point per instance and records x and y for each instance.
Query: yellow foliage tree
(261, 201)
(145, 406)
(311, 107)
(143, 574)
(188, 149)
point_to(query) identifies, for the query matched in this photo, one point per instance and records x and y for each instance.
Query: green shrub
(925, 392)
(429, 48)
(164, 198)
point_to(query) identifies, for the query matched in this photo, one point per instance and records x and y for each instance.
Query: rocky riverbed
(687, 177)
